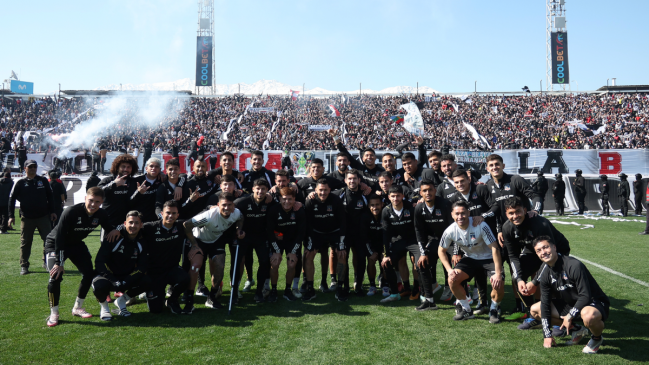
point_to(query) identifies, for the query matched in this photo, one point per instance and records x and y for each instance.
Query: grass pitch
(322, 331)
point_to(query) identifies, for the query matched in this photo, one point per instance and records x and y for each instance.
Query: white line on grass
(612, 271)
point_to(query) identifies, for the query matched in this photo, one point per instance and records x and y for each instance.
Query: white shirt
(473, 241)
(210, 225)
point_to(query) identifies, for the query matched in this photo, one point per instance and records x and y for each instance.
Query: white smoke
(150, 110)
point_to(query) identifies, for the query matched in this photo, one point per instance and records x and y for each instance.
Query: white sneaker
(52, 320)
(333, 286)
(475, 294)
(296, 293)
(436, 288)
(248, 285)
(81, 312)
(371, 291)
(386, 291)
(391, 298)
(593, 346)
(105, 315)
(447, 294)
(577, 336)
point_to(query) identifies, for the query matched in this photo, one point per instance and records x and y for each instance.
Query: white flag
(476, 136)
(413, 122)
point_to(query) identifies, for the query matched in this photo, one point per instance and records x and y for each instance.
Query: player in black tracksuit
(65, 241)
(559, 193)
(166, 242)
(432, 217)
(518, 234)
(568, 293)
(122, 266)
(326, 227)
(356, 206)
(166, 192)
(368, 156)
(205, 187)
(119, 188)
(540, 187)
(399, 238)
(308, 184)
(374, 241)
(258, 171)
(285, 229)
(144, 196)
(604, 188)
(255, 210)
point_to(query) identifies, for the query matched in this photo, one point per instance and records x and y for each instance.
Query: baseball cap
(30, 162)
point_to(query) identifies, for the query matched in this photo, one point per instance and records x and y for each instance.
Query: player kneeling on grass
(208, 228)
(481, 252)
(568, 292)
(285, 229)
(66, 241)
(121, 267)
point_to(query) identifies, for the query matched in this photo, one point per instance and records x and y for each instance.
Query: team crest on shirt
(330, 208)
(507, 187)
(359, 204)
(175, 230)
(40, 184)
(95, 221)
(315, 208)
(564, 276)
(398, 176)
(209, 182)
(493, 190)
(406, 214)
(472, 236)
(475, 195)
(26, 184)
(438, 212)
(293, 216)
(263, 208)
(445, 186)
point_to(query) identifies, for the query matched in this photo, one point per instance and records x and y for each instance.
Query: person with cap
(603, 188)
(21, 152)
(580, 190)
(637, 194)
(558, 193)
(37, 210)
(59, 194)
(6, 185)
(93, 180)
(623, 191)
(540, 186)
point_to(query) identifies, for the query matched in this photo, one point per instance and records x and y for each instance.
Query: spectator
(6, 184)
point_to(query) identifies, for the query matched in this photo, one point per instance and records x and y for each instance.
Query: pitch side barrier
(522, 162)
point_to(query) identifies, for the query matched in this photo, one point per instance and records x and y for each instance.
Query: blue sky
(446, 45)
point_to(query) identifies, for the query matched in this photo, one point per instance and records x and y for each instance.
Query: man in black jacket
(559, 193)
(6, 185)
(118, 188)
(37, 210)
(66, 242)
(580, 190)
(326, 226)
(568, 293)
(59, 195)
(637, 194)
(93, 180)
(166, 244)
(258, 171)
(368, 167)
(167, 191)
(540, 187)
(121, 267)
(308, 184)
(518, 233)
(144, 197)
(623, 192)
(147, 149)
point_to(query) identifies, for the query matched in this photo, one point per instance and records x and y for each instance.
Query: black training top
(291, 224)
(35, 196)
(145, 203)
(164, 246)
(255, 217)
(123, 257)
(508, 187)
(326, 217)
(571, 281)
(430, 223)
(118, 198)
(398, 227)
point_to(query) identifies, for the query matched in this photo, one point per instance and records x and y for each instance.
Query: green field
(360, 330)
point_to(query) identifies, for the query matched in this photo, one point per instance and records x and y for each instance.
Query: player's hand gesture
(121, 180)
(142, 188)
(194, 195)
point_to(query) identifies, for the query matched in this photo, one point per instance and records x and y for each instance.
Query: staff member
(36, 210)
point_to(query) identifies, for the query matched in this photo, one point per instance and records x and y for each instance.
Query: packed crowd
(506, 122)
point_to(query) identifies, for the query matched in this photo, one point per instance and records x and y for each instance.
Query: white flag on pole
(413, 121)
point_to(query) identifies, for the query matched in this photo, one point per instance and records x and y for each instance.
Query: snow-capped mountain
(261, 87)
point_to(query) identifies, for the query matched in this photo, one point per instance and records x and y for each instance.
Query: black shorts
(320, 241)
(285, 248)
(371, 248)
(399, 249)
(564, 308)
(210, 250)
(472, 266)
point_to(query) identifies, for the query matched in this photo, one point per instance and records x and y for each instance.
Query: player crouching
(481, 252)
(121, 266)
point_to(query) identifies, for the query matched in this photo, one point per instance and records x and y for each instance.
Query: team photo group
(162, 231)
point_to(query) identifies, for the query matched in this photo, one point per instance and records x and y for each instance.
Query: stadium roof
(625, 88)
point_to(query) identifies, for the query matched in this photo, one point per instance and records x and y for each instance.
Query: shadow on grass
(622, 324)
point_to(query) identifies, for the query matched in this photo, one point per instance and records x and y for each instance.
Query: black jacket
(250, 176)
(118, 198)
(123, 257)
(398, 227)
(519, 239)
(92, 182)
(74, 226)
(540, 186)
(164, 246)
(623, 189)
(58, 189)
(145, 203)
(165, 193)
(580, 185)
(571, 281)
(6, 184)
(603, 187)
(292, 226)
(559, 189)
(35, 196)
(326, 217)
(255, 217)
(356, 205)
(510, 186)
(479, 204)
(206, 188)
(430, 227)
(307, 186)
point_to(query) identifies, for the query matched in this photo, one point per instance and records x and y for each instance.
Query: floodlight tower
(206, 29)
(555, 21)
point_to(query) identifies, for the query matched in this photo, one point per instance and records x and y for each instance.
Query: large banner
(22, 87)
(559, 52)
(204, 61)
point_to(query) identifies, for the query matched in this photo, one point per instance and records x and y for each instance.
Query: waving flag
(413, 121)
(294, 95)
(334, 111)
(397, 118)
(476, 136)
